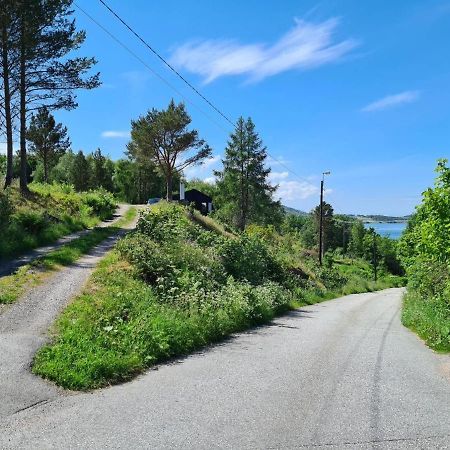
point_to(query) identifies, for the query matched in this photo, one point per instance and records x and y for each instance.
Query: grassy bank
(33, 274)
(173, 287)
(46, 214)
(429, 318)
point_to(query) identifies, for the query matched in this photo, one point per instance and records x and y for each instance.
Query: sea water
(392, 230)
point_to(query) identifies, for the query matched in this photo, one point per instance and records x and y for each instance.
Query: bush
(248, 258)
(101, 202)
(32, 222)
(6, 207)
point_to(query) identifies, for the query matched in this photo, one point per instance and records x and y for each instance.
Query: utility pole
(374, 249)
(321, 218)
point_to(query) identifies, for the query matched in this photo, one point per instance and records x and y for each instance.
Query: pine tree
(163, 138)
(80, 172)
(245, 193)
(49, 140)
(41, 73)
(8, 32)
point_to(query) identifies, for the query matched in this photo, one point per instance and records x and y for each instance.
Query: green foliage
(48, 139)
(6, 207)
(244, 193)
(174, 286)
(126, 329)
(163, 139)
(429, 318)
(425, 251)
(13, 286)
(80, 173)
(50, 212)
(248, 258)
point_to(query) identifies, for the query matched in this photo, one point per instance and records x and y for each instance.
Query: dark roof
(193, 195)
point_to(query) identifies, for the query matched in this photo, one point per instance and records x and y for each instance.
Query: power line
(223, 115)
(170, 85)
(168, 64)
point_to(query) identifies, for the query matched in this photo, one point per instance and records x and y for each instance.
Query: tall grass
(173, 287)
(46, 214)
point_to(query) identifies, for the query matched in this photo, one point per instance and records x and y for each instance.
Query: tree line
(36, 37)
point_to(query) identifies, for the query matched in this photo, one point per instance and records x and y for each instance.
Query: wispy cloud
(203, 170)
(275, 177)
(115, 134)
(307, 45)
(391, 101)
(291, 190)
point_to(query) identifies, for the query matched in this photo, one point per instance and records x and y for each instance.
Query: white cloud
(204, 169)
(210, 180)
(116, 134)
(305, 46)
(391, 101)
(292, 191)
(275, 177)
(2, 148)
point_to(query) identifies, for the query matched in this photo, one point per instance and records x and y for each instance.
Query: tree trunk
(23, 118)
(8, 119)
(45, 161)
(169, 186)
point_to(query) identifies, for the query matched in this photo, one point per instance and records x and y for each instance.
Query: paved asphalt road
(341, 374)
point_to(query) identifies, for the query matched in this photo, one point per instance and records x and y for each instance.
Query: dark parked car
(152, 201)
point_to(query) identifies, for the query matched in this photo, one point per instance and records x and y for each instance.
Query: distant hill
(380, 218)
(294, 212)
(368, 218)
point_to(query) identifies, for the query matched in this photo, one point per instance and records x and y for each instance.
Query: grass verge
(429, 318)
(117, 328)
(176, 285)
(14, 286)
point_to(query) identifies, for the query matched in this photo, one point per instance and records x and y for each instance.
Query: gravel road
(24, 326)
(7, 267)
(341, 374)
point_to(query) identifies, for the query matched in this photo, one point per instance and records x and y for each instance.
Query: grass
(117, 328)
(429, 318)
(209, 224)
(120, 325)
(47, 213)
(14, 286)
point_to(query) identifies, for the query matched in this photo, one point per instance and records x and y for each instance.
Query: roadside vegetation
(26, 277)
(425, 252)
(47, 213)
(174, 286)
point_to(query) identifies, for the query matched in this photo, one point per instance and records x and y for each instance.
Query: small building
(201, 201)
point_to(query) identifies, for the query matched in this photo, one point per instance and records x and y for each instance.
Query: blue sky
(360, 88)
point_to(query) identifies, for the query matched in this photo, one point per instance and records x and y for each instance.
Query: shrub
(30, 221)
(248, 258)
(101, 202)
(6, 207)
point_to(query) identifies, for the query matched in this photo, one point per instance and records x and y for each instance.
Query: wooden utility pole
(321, 246)
(375, 262)
(321, 224)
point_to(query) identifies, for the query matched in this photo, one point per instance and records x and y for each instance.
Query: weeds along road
(24, 326)
(341, 374)
(9, 266)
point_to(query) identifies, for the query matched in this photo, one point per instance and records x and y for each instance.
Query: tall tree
(246, 194)
(45, 74)
(8, 34)
(163, 138)
(49, 140)
(327, 224)
(80, 172)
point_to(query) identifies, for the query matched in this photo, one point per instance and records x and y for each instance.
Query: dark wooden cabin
(201, 201)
